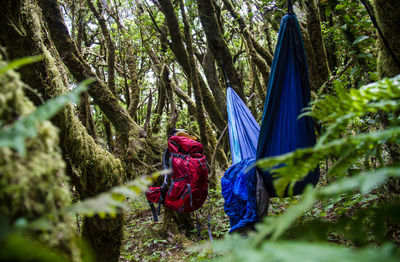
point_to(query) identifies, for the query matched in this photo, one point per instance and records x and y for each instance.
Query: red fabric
(188, 145)
(189, 181)
(153, 194)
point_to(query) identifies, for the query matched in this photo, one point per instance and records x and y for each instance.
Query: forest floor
(145, 240)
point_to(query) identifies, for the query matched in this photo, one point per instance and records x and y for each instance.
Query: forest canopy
(90, 91)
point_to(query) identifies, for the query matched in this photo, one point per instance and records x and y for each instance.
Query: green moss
(34, 185)
(99, 169)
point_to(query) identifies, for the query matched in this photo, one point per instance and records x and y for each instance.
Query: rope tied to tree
(228, 84)
(290, 7)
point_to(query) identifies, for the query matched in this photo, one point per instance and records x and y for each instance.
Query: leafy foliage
(348, 32)
(268, 242)
(360, 228)
(106, 204)
(17, 248)
(113, 201)
(300, 251)
(337, 112)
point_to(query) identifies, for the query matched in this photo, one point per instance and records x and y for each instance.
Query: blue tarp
(281, 131)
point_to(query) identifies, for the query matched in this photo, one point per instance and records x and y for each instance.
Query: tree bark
(134, 87)
(110, 46)
(178, 48)
(212, 78)
(319, 70)
(388, 18)
(148, 113)
(85, 115)
(173, 114)
(218, 46)
(99, 169)
(109, 134)
(159, 108)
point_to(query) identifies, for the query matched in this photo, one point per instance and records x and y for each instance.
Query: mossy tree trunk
(318, 70)
(134, 86)
(85, 115)
(34, 185)
(173, 114)
(388, 17)
(210, 72)
(159, 108)
(99, 170)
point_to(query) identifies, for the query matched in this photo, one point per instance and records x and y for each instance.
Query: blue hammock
(243, 128)
(288, 92)
(238, 186)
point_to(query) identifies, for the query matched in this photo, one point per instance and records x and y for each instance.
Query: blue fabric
(243, 128)
(238, 186)
(239, 192)
(288, 92)
(281, 131)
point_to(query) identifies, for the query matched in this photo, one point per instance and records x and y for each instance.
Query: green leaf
(18, 248)
(360, 39)
(328, 11)
(319, 252)
(111, 202)
(365, 182)
(17, 63)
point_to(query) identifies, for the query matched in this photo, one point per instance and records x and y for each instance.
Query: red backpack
(189, 183)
